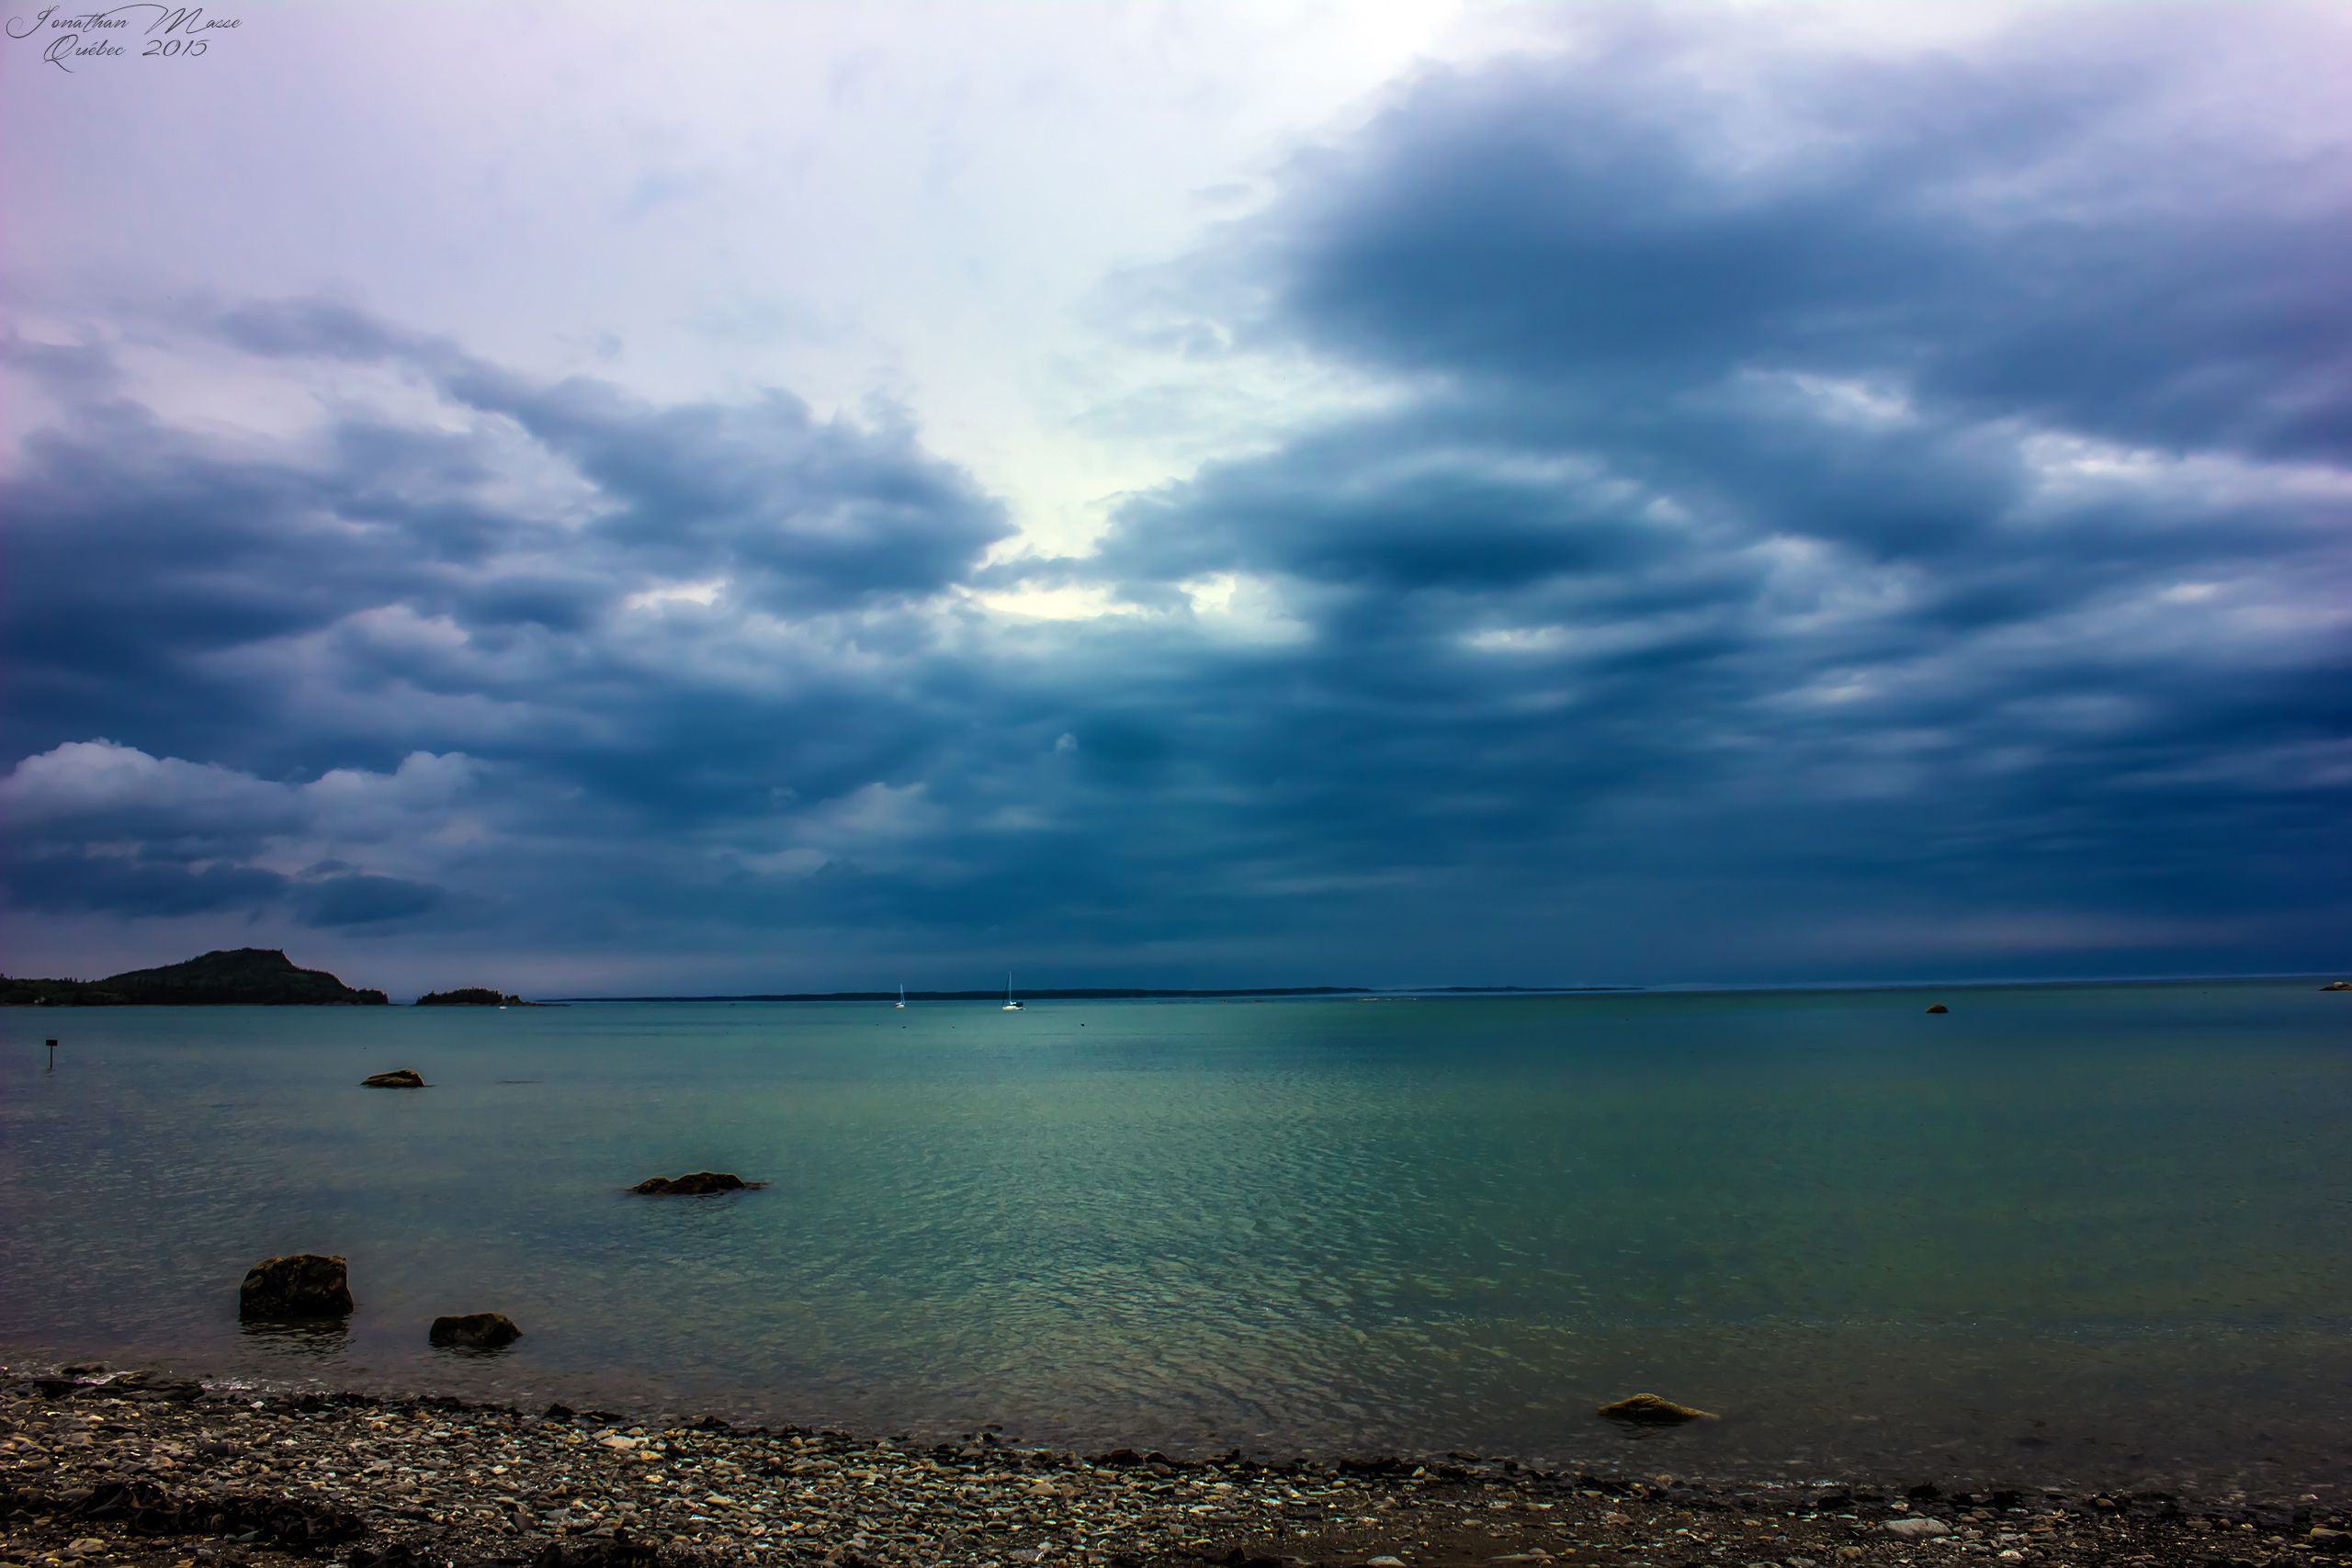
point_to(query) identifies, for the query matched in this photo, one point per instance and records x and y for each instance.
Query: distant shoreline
(1115, 993)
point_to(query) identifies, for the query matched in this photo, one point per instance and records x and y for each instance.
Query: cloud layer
(1803, 517)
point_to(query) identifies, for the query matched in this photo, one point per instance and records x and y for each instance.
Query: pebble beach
(101, 1466)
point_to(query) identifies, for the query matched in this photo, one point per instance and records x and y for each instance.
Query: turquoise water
(2095, 1234)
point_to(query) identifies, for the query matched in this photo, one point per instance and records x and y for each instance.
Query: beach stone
(1383, 1562)
(1915, 1529)
(1939, 1008)
(695, 1184)
(402, 1077)
(299, 1285)
(474, 1331)
(1650, 1410)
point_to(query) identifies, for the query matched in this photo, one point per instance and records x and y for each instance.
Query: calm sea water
(2100, 1235)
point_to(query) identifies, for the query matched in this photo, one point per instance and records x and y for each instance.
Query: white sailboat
(902, 993)
(1010, 1005)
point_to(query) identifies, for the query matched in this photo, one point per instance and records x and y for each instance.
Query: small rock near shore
(1939, 1008)
(1649, 1410)
(1916, 1529)
(695, 1184)
(475, 1331)
(299, 1285)
(400, 1077)
(2337, 986)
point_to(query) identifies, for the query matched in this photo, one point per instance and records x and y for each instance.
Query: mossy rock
(1650, 1410)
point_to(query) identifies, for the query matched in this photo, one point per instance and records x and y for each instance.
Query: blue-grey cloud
(1888, 518)
(361, 899)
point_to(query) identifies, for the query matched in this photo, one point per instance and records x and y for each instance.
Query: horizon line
(1070, 993)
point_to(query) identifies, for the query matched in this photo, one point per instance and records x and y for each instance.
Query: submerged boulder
(400, 1077)
(1649, 1410)
(299, 1285)
(695, 1184)
(1939, 1008)
(475, 1331)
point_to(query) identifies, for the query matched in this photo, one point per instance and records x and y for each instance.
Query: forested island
(476, 997)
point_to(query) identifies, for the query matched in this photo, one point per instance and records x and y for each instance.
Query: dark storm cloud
(2049, 229)
(1389, 509)
(518, 585)
(806, 515)
(1959, 438)
(139, 550)
(59, 882)
(360, 900)
(1816, 517)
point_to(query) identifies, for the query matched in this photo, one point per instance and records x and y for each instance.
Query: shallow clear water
(2100, 1235)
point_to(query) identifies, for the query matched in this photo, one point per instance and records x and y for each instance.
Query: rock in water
(695, 1184)
(475, 1331)
(402, 1077)
(2337, 986)
(302, 1285)
(1939, 1008)
(1649, 1410)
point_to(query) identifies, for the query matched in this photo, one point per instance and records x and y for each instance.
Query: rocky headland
(242, 976)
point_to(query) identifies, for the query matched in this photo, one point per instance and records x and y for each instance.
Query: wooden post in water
(52, 1056)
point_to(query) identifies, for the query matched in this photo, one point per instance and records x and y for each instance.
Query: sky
(590, 499)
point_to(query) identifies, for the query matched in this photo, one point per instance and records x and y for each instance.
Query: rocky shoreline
(99, 1467)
